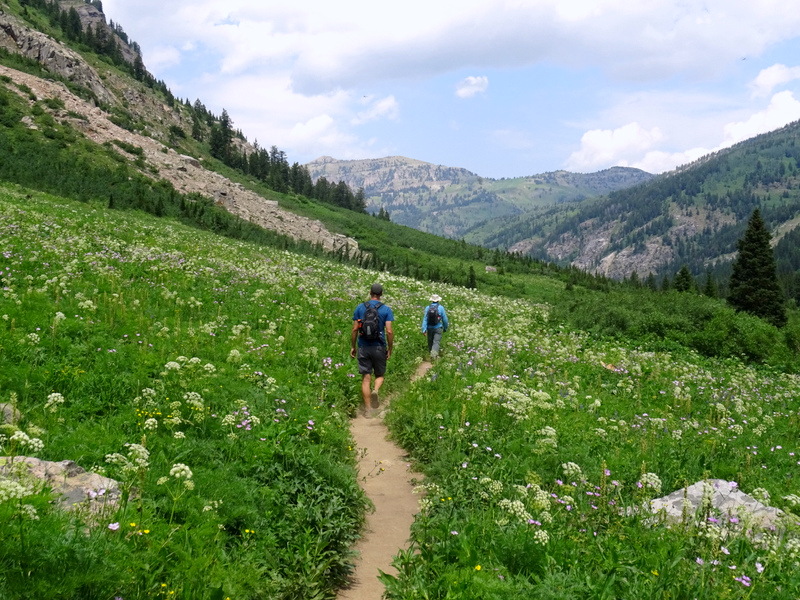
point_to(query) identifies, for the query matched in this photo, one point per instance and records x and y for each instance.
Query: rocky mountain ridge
(186, 173)
(455, 202)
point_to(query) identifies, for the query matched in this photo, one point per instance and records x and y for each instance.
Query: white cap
(435, 298)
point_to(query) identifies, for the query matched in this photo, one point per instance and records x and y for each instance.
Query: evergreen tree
(754, 286)
(710, 287)
(684, 282)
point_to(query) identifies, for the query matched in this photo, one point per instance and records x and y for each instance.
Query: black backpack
(371, 322)
(433, 315)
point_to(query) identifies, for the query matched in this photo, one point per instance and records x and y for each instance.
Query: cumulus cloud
(783, 108)
(328, 48)
(602, 148)
(381, 108)
(162, 57)
(470, 86)
(770, 78)
(309, 76)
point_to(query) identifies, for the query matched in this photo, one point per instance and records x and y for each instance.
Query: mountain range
(617, 223)
(457, 203)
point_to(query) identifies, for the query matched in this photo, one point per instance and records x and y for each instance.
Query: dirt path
(385, 476)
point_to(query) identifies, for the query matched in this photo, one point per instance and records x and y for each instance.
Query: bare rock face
(16, 37)
(185, 173)
(8, 414)
(720, 503)
(71, 484)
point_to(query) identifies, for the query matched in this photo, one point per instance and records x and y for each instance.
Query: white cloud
(470, 86)
(657, 161)
(162, 57)
(328, 48)
(770, 78)
(318, 77)
(601, 148)
(783, 109)
(382, 108)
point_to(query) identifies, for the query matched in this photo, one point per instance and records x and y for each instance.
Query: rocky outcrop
(72, 486)
(8, 413)
(720, 503)
(18, 38)
(185, 173)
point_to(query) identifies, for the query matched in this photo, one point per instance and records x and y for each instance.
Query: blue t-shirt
(443, 321)
(384, 314)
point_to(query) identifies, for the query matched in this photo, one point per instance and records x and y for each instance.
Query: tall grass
(210, 377)
(543, 447)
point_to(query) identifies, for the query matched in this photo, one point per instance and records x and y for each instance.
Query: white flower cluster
(516, 508)
(138, 458)
(491, 488)
(572, 470)
(14, 490)
(709, 531)
(540, 537)
(87, 305)
(761, 495)
(180, 471)
(25, 441)
(151, 424)
(651, 481)
(54, 400)
(793, 500)
(547, 441)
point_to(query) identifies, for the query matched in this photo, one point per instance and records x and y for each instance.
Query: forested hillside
(693, 216)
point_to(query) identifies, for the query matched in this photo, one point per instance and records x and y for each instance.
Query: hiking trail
(385, 476)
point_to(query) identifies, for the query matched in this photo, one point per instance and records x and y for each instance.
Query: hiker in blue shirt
(375, 340)
(434, 324)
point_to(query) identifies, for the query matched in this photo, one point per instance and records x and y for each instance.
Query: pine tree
(684, 282)
(754, 286)
(710, 287)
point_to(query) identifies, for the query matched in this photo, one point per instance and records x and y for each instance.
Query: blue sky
(502, 88)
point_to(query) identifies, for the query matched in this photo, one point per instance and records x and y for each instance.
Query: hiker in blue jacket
(434, 324)
(372, 348)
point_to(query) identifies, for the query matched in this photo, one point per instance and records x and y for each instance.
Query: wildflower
(180, 471)
(54, 400)
(650, 480)
(541, 537)
(113, 526)
(572, 470)
(477, 567)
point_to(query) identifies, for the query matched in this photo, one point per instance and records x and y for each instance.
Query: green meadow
(211, 377)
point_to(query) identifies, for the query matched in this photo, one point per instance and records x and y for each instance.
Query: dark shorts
(372, 358)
